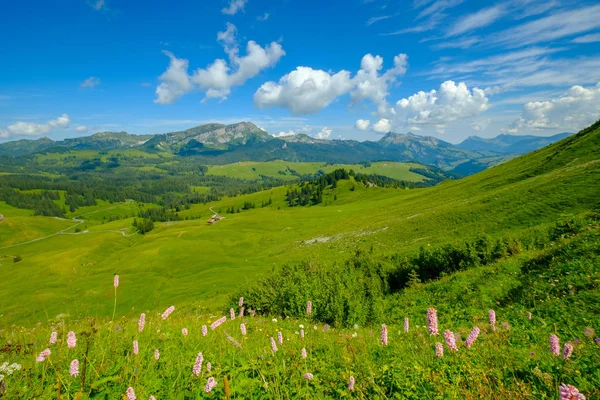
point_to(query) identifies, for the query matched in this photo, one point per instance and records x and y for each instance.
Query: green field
(283, 169)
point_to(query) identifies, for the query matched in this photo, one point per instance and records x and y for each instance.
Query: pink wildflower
(241, 303)
(302, 333)
(242, 312)
(152, 398)
(232, 313)
(142, 322)
(204, 330)
(130, 394)
(303, 353)
(439, 350)
(208, 366)
(280, 337)
(243, 328)
(116, 281)
(472, 337)
(309, 307)
(570, 392)
(71, 339)
(210, 384)
(351, 384)
(273, 345)
(136, 349)
(492, 315)
(198, 364)
(74, 368)
(554, 345)
(168, 312)
(406, 325)
(43, 355)
(450, 340)
(218, 322)
(384, 335)
(53, 337)
(567, 351)
(432, 321)
(184, 332)
(308, 376)
(156, 354)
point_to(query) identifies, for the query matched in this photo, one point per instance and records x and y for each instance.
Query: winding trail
(79, 222)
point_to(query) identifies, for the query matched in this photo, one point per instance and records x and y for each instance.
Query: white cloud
(4, 134)
(33, 129)
(324, 133)
(372, 20)
(234, 7)
(476, 20)
(481, 124)
(449, 103)
(97, 5)
(81, 128)
(372, 86)
(382, 126)
(304, 90)
(220, 76)
(362, 124)
(574, 110)
(591, 38)
(90, 82)
(438, 6)
(263, 17)
(425, 26)
(175, 81)
(555, 26)
(288, 133)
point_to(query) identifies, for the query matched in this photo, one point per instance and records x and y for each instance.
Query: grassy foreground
(510, 360)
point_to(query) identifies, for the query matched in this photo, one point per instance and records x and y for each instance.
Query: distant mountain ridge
(222, 144)
(510, 144)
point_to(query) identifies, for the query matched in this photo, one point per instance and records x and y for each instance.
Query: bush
(567, 226)
(17, 259)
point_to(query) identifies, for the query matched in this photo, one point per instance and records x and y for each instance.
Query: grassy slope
(512, 362)
(194, 264)
(279, 169)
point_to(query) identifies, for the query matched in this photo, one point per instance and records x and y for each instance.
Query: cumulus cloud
(81, 128)
(438, 107)
(90, 82)
(234, 7)
(370, 85)
(574, 110)
(324, 133)
(304, 91)
(307, 91)
(362, 124)
(34, 129)
(219, 77)
(382, 126)
(288, 133)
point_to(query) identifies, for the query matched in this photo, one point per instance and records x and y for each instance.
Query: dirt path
(64, 231)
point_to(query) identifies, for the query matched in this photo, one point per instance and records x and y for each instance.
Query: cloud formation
(234, 6)
(219, 77)
(90, 82)
(324, 133)
(81, 128)
(362, 124)
(308, 91)
(438, 107)
(382, 126)
(577, 108)
(34, 129)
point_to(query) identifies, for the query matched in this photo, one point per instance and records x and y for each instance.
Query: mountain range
(244, 141)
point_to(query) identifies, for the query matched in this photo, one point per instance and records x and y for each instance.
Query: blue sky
(352, 69)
